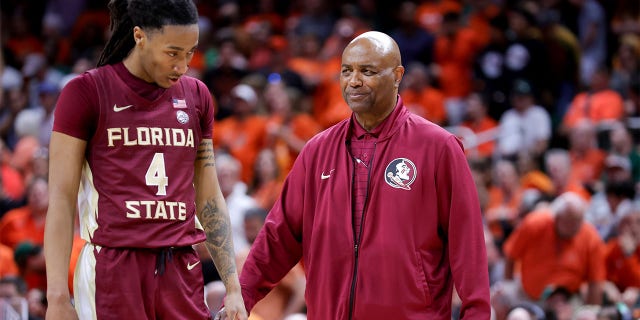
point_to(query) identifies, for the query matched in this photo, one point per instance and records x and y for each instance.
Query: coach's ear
(398, 73)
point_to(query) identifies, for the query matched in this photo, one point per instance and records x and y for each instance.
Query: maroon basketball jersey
(137, 182)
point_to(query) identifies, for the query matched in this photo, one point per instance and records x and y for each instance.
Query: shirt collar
(359, 132)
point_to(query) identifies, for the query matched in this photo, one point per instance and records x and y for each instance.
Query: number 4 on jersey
(156, 175)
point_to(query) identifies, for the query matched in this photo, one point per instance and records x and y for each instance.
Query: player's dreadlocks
(146, 14)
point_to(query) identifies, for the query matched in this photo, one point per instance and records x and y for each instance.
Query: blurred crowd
(544, 95)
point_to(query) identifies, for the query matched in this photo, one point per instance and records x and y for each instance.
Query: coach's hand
(233, 308)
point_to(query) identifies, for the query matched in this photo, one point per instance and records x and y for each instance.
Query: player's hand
(221, 315)
(233, 308)
(62, 310)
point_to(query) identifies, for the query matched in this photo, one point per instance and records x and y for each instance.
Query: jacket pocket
(421, 279)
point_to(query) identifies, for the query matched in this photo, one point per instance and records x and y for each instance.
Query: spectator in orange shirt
(12, 181)
(8, 266)
(243, 133)
(454, 53)
(267, 181)
(533, 177)
(288, 126)
(29, 258)
(328, 106)
(11, 189)
(27, 223)
(429, 14)
(479, 16)
(505, 197)
(600, 103)
(555, 248)
(587, 160)
(419, 95)
(24, 155)
(623, 262)
(557, 164)
(306, 60)
(483, 126)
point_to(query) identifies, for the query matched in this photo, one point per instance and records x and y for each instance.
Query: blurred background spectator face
(245, 99)
(569, 217)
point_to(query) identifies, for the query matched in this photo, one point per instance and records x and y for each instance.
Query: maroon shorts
(117, 283)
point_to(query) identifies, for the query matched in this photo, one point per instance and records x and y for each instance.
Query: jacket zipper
(357, 236)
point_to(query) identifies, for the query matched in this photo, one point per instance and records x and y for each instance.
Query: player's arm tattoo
(205, 153)
(217, 228)
(215, 220)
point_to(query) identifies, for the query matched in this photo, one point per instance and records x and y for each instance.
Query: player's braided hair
(146, 14)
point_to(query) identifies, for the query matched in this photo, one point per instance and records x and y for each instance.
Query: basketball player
(132, 144)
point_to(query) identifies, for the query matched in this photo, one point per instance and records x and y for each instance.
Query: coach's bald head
(379, 43)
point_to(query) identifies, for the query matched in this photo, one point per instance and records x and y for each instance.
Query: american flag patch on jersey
(180, 103)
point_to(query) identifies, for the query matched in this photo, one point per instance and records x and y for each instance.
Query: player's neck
(135, 68)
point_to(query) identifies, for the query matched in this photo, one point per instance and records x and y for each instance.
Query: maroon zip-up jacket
(422, 229)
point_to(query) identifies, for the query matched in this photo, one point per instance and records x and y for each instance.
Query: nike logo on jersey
(191, 266)
(118, 109)
(326, 176)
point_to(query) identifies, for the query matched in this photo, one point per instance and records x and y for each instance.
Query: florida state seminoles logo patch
(400, 173)
(182, 117)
